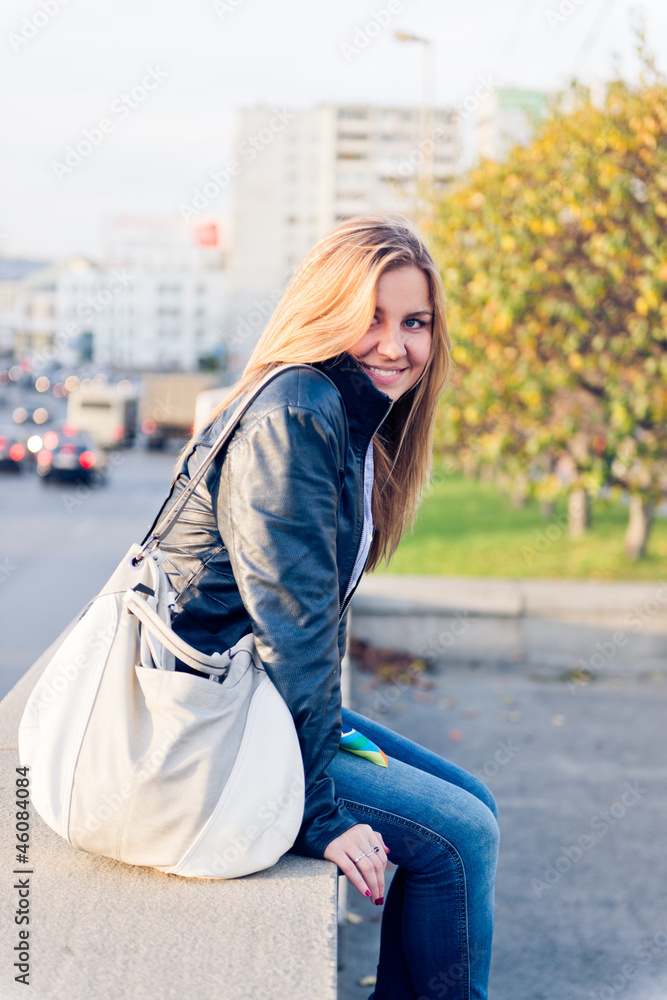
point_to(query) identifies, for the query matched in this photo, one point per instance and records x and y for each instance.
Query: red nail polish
(368, 892)
(379, 901)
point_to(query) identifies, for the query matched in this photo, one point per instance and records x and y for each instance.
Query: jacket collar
(366, 405)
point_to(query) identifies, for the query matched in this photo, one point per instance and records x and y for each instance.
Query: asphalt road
(581, 910)
(60, 543)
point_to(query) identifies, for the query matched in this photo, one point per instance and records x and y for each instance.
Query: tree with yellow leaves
(555, 267)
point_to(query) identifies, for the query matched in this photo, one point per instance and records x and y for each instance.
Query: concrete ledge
(545, 626)
(102, 929)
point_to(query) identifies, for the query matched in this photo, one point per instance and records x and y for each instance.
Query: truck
(206, 402)
(167, 405)
(107, 412)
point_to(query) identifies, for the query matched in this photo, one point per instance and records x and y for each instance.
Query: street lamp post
(426, 163)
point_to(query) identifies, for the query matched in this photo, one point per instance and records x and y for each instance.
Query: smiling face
(395, 349)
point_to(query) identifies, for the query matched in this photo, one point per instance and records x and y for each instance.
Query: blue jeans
(440, 823)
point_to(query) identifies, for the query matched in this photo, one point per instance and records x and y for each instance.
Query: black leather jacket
(268, 542)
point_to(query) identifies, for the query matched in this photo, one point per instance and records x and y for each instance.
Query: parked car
(70, 455)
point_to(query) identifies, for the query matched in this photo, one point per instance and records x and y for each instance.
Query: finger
(379, 859)
(356, 877)
(381, 839)
(373, 875)
(381, 853)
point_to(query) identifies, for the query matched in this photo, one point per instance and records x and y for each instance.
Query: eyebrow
(417, 312)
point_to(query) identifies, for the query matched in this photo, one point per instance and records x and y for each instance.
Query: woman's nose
(391, 343)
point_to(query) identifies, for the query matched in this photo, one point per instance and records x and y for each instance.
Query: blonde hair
(326, 308)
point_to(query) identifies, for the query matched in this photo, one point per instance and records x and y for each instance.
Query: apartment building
(155, 302)
(506, 118)
(303, 171)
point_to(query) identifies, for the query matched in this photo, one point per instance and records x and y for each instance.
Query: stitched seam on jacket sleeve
(325, 423)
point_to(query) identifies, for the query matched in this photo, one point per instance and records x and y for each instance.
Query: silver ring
(373, 850)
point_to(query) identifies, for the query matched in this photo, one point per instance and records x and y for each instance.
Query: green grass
(468, 528)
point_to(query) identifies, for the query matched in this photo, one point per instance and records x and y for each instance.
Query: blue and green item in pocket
(355, 742)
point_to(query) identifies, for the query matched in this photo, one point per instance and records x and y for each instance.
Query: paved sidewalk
(550, 627)
(576, 919)
(586, 600)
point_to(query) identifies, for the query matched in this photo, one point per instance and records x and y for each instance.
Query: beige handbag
(196, 775)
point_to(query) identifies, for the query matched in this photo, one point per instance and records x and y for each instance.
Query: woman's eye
(419, 323)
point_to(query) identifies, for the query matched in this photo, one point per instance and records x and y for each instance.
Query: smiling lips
(384, 374)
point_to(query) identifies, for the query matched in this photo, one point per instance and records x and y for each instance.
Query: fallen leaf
(353, 918)
(455, 734)
(422, 696)
(368, 981)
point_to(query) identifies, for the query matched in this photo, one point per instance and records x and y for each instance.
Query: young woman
(321, 477)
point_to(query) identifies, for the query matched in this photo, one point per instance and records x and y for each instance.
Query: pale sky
(209, 57)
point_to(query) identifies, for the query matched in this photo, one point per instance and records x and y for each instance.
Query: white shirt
(367, 531)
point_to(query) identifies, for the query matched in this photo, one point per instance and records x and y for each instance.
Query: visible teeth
(384, 371)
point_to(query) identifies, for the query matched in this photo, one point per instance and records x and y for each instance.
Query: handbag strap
(156, 534)
(214, 663)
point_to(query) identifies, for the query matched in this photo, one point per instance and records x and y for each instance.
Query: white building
(506, 118)
(167, 284)
(12, 274)
(301, 172)
(155, 303)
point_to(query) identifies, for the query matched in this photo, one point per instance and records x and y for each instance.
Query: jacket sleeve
(276, 499)
(342, 634)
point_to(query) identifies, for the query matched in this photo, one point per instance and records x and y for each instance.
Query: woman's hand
(367, 875)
